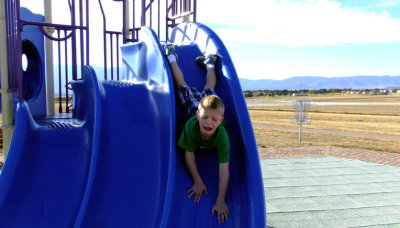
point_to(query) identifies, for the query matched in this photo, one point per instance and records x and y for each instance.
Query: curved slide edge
(245, 196)
(44, 175)
(89, 87)
(128, 181)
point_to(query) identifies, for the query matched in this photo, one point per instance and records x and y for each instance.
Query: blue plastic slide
(245, 196)
(115, 162)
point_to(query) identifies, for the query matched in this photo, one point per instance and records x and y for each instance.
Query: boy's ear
(222, 119)
(197, 114)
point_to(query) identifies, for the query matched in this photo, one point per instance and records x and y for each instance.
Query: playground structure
(111, 159)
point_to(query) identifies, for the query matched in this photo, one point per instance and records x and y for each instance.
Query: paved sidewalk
(379, 157)
(327, 191)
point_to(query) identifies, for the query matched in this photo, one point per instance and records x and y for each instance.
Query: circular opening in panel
(32, 71)
(24, 62)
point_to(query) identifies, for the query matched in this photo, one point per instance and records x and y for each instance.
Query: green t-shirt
(191, 139)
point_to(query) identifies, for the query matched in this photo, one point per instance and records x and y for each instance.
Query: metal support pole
(49, 60)
(6, 96)
(300, 120)
(186, 8)
(73, 41)
(125, 30)
(143, 13)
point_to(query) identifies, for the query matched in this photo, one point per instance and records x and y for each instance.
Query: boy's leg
(209, 63)
(211, 79)
(175, 69)
(186, 94)
(177, 74)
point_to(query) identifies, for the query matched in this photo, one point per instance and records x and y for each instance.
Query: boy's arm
(220, 206)
(198, 186)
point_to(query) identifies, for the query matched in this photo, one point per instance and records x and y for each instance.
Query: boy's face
(209, 120)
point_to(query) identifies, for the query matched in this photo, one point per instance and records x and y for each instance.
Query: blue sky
(277, 39)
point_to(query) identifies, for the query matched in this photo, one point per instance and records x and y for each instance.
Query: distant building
(299, 94)
(383, 92)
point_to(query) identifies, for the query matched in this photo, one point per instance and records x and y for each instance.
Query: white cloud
(298, 23)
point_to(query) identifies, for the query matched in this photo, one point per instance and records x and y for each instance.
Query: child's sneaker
(203, 60)
(170, 50)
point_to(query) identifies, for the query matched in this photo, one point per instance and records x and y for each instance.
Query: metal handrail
(14, 49)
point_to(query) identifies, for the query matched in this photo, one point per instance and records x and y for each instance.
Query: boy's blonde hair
(212, 102)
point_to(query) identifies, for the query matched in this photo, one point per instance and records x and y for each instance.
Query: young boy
(203, 129)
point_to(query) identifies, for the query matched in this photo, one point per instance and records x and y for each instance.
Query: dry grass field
(375, 124)
(363, 104)
(63, 106)
(379, 119)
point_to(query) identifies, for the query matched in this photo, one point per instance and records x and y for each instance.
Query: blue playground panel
(34, 88)
(116, 164)
(32, 42)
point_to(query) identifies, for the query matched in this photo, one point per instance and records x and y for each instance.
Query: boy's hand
(222, 211)
(197, 190)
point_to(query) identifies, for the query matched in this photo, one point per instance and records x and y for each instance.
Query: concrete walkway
(327, 191)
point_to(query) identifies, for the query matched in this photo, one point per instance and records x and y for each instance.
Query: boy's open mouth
(207, 128)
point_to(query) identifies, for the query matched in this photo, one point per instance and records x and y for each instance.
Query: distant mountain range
(293, 83)
(316, 82)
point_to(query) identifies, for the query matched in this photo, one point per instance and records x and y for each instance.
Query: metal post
(301, 108)
(49, 60)
(143, 14)
(6, 96)
(300, 118)
(186, 9)
(125, 26)
(73, 41)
